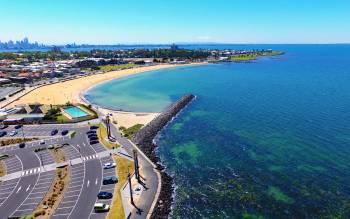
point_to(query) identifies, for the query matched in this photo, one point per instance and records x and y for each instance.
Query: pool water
(75, 112)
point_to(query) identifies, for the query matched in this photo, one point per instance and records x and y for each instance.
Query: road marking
(19, 189)
(96, 181)
(27, 188)
(88, 183)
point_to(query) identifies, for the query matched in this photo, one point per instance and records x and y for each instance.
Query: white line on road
(19, 189)
(27, 188)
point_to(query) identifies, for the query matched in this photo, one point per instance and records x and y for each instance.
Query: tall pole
(108, 126)
(130, 187)
(136, 164)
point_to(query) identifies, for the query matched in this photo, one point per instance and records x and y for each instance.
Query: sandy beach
(71, 91)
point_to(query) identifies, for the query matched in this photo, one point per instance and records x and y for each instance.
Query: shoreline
(74, 91)
(70, 90)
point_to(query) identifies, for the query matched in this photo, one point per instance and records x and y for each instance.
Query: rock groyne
(144, 140)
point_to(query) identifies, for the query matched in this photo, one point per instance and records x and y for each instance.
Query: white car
(42, 142)
(108, 165)
(13, 133)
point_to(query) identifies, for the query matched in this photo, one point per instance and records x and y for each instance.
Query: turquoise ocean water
(267, 139)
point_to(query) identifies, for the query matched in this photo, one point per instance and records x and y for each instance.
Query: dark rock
(144, 140)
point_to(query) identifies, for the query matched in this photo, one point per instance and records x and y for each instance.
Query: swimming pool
(75, 112)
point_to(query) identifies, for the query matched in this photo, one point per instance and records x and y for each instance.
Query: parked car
(18, 126)
(21, 145)
(109, 165)
(92, 135)
(54, 132)
(94, 142)
(3, 126)
(64, 132)
(3, 133)
(104, 195)
(94, 138)
(101, 207)
(93, 127)
(109, 180)
(13, 133)
(91, 132)
(42, 142)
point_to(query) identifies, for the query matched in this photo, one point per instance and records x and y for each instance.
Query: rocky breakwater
(144, 140)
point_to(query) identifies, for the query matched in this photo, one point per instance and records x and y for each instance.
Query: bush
(39, 213)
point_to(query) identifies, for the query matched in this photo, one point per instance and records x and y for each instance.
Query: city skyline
(157, 22)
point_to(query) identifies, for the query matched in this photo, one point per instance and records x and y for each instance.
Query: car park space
(6, 188)
(45, 157)
(72, 193)
(13, 164)
(36, 194)
(98, 147)
(71, 152)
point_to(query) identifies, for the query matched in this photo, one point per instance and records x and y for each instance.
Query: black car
(109, 180)
(91, 132)
(94, 138)
(92, 135)
(21, 145)
(64, 132)
(93, 127)
(4, 126)
(3, 133)
(54, 132)
(18, 126)
(104, 195)
(94, 142)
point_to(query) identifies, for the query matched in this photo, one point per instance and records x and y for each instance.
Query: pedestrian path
(90, 157)
(31, 171)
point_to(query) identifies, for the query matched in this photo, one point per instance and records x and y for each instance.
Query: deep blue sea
(266, 139)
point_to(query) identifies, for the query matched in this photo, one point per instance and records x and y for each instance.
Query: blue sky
(167, 21)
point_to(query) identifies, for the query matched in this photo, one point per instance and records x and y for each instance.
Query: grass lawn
(124, 167)
(129, 132)
(62, 119)
(116, 67)
(247, 57)
(102, 135)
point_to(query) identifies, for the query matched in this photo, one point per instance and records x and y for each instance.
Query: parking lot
(36, 195)
(6, 188)
(72, 193)
(45, 157)
(13, 164)
(85, 182)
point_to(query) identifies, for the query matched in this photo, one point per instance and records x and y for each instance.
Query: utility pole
(136, 164)
(130, 187)
(108, 126)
